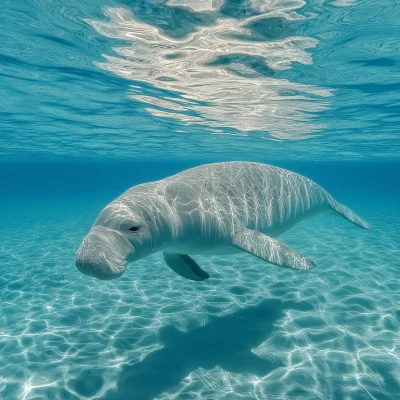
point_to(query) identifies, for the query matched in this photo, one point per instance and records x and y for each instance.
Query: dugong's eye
(134, 228)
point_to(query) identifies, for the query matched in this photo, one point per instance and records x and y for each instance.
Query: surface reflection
(221, 72)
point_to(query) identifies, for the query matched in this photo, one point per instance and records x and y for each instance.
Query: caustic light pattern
(252, 330)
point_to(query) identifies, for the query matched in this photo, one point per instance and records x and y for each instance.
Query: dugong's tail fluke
(348, 214)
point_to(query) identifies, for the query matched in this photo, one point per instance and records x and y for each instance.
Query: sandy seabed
(252, 331)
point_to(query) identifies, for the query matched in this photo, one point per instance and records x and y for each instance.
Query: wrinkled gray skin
(198, 211)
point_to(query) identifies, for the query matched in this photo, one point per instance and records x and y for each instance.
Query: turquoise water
(99, 96)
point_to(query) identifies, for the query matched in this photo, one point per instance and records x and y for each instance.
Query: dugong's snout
(104, 253)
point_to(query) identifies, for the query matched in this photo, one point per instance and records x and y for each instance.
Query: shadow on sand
(225, 341)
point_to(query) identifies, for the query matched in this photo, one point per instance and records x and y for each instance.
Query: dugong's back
(234, 195)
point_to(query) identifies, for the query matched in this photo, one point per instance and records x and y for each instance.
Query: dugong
(213, 209)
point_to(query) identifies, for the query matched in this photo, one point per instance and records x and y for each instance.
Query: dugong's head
(123, 232)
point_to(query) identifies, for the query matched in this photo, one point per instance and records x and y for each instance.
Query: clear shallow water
(98, 96)
(251, 331)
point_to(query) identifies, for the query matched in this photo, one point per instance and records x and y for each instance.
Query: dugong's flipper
(185, 266)
(271, 250)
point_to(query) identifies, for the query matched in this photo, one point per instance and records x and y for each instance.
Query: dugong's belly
(217, 240)
(205, 250)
